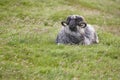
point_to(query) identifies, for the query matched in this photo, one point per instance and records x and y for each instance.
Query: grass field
(28, 51)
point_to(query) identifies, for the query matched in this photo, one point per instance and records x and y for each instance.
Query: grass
(28, 29)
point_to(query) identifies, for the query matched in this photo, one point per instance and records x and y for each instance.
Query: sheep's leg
(95, 38)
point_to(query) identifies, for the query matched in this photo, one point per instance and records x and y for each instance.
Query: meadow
(28, 29)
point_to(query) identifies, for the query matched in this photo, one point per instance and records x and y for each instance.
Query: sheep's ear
(83, 24)
(64, 23)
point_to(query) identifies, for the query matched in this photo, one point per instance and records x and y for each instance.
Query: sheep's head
(73, 21)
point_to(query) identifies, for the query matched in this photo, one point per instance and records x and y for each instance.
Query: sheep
(76, 31)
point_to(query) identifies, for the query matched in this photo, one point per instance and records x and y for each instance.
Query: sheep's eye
(77, 20)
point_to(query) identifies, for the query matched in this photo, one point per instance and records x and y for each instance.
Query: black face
(73, 21)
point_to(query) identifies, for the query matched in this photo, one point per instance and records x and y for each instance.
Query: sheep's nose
(72, 23)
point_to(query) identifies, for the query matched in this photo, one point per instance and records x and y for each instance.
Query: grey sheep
(76, 31)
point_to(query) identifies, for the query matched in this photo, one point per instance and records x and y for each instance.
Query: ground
(28, 29)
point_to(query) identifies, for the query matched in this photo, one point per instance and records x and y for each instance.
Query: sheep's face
(73, 21)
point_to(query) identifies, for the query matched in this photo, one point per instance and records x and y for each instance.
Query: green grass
(28, 51)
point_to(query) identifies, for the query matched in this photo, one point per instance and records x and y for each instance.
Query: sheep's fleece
(72, 32)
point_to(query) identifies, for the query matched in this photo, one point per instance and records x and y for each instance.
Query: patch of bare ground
(79, 9)
(111, 29)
